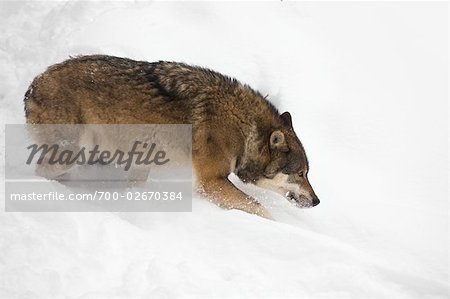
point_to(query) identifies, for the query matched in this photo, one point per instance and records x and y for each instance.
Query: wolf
(234, 128)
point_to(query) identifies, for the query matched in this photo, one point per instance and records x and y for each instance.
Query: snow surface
(367, 86)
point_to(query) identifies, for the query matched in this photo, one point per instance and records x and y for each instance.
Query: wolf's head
(287, 170)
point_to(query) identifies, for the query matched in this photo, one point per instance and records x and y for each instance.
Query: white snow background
(366, 84)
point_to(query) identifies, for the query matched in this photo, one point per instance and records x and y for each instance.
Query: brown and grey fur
(234, 128)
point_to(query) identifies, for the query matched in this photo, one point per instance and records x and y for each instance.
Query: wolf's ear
(287, 119)
(277, 141)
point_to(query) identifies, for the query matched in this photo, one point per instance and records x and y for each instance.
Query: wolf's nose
(316, 201)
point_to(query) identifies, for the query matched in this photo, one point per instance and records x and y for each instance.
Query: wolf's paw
(264, 213)
(256, 208)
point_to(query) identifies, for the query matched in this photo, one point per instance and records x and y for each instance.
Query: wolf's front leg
(223, 193)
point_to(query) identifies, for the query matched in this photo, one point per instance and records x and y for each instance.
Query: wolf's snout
(302, 201)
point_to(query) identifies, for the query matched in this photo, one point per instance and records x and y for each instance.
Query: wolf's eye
(300, 173)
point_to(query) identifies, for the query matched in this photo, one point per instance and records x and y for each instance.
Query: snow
(367, 86)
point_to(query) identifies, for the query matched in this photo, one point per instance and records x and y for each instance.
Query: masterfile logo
(98, 168)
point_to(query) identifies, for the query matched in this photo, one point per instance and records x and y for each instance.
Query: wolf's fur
(234, 128)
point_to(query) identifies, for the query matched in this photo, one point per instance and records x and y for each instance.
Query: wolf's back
(105, 89)
(101, 89)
